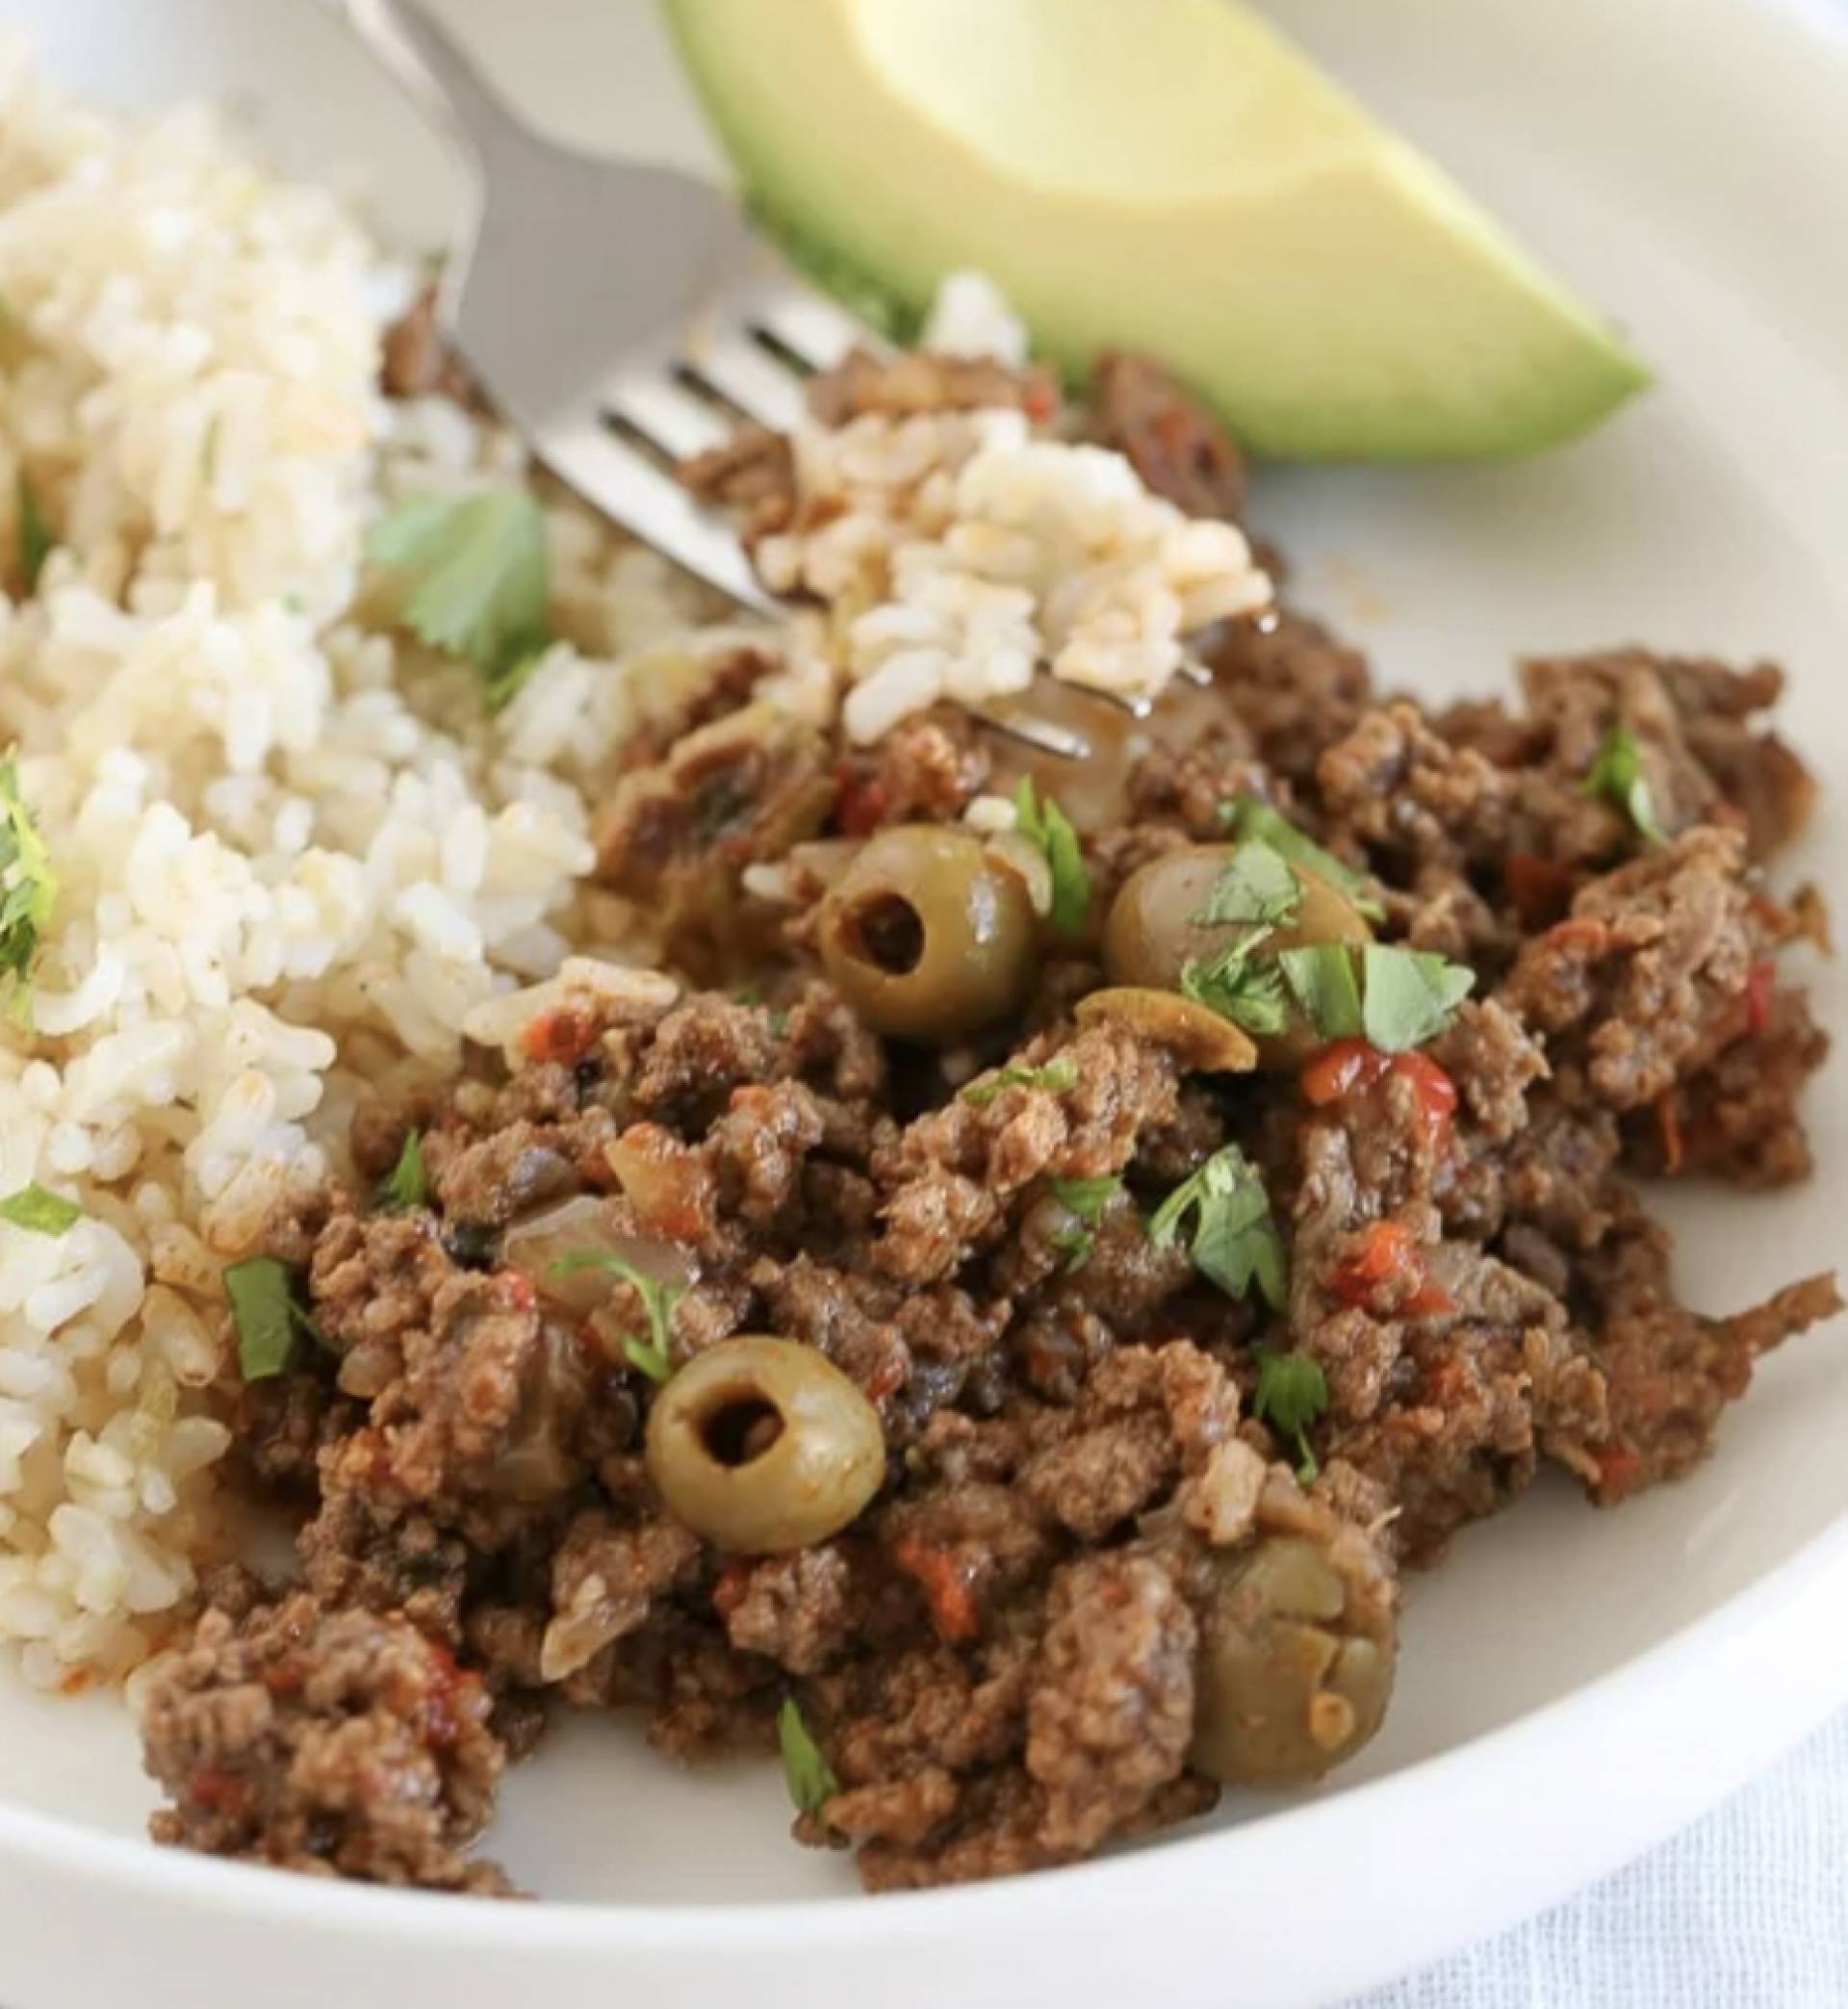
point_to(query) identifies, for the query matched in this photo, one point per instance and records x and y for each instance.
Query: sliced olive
(761, 1444)
(1200, 1040)
(1153, 930)
(928, 936)
(1291, 1677)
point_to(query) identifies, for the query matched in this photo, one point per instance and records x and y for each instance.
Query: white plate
(1574, 1686)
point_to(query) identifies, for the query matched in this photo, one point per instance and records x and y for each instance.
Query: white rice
(295, 853)
(959, 554)
(289, 849)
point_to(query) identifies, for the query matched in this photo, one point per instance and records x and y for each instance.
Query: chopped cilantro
(1238, 987)
(1292, 1391)
(1322, 980)
(1234, 1240)
(28, 891)
(479, 579)
(1409, 996)
(43, 1213)
(1056, 1077)
(506, 685)
(1087, 1197)
(1617, 776)
(1042, 822)
(653, 1355)
(1085, 1200)
(1257, 887)
(35, 533)
(266, 1315)
(1246, 817)
(408, 1184)
(811, 1777)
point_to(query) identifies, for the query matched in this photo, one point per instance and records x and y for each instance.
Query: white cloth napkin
(1747, 1909)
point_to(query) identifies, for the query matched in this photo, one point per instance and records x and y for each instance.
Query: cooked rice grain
(291, 852)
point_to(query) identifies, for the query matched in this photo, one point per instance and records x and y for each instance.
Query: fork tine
(653, 506)
(1040, 733)
(812, 327)
(742, 373)
(677, 423)
(1137, 706)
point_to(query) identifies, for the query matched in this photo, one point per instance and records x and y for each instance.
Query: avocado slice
(1167, 176)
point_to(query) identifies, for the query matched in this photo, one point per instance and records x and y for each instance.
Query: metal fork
(624, 316)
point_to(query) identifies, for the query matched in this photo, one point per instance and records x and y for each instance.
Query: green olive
(928, 936)
(1151, 933)
(760, 1444)
(1293, 1677)
(1200, 1040)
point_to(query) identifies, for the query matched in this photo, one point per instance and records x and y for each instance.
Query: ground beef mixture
(1104, 1521)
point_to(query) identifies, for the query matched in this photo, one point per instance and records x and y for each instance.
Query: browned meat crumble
(1001, 1657)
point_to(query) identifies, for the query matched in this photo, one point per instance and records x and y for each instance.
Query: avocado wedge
(1168, 176)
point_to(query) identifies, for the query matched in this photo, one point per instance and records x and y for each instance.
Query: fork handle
(427, 63)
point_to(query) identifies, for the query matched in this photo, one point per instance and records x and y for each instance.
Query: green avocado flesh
(1165, 176)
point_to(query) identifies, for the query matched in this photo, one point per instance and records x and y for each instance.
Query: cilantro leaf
(810, 1776)
(1234, 1242)
(1616, 774)
(40, 1212)
(1322, 980)
(1056, 1077)
(28, 891)
(479, 579)
(408, 1184)
(1292, 1391)
(1238, 987)
(1085, 1200)
(266, 1315)
(1087, 1197)
(36, 539)
(1257, 887)
(1246, 817)
(1042, 822)
(506, 685)
(1409, 996)
(653, 1355)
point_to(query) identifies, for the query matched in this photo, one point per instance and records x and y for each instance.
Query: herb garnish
(1240, 988)
(1257, 888)
(1042, 822)
(1292, 1391)
(1617, 776)
(1323, 981)
(1409, 996)
(1256, 891)
(28, 891)
(36, 539)
(480, 578)
(408, 1184)
(1056, 1077)
(40, 1212)
(267, 1315)
(1234, 1240)
(651, 1355)
(811, 1777)
(1246, 817)
(1085, 1200)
